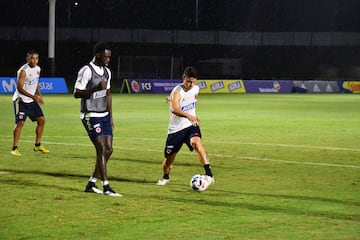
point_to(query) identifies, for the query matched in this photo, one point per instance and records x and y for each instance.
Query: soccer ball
(199, 183)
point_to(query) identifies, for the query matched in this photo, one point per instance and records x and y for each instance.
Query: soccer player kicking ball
(184, 125)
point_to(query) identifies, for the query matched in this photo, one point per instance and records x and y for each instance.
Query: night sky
(226, 15)
(295, 62)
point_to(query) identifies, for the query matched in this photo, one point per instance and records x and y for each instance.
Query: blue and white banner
(316, 86)
(47, 85)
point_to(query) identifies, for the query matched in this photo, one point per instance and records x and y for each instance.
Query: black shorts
(23, 110)
(175, 141)
(96, 126)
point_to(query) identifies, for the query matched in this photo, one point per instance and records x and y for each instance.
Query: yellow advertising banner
(221, 86)
(353, 87)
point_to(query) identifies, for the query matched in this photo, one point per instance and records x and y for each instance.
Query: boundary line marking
(297, 146)
(231, 142)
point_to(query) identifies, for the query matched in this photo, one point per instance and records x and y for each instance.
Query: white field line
(234, 143)
(288, 161)
(216, 155)
(297, 146)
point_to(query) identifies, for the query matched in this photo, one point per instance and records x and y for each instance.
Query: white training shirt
(188, 102)
(30, 83)
(84, 76)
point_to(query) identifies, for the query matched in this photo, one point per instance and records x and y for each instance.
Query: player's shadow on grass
(28, 183)
(71, 175)
(233, 201)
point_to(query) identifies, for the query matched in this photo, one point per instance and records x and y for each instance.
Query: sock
(208, 170)
(104, 183)
(92, 179)
(37, 144)
(14, 148)
(166, 176)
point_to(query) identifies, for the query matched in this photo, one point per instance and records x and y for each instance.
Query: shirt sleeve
(84, 76)
(197, 90)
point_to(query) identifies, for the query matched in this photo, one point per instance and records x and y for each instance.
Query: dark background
(257, 62)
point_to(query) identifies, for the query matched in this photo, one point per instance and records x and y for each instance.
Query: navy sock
(166, 176)
(208, 170)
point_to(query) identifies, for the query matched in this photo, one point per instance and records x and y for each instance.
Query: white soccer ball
(199, 183)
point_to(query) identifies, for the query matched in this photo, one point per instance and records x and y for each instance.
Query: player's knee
(164, 164)
(196, 143)
(168, 161)
(108, 151)
(20, 124)
(41, 121)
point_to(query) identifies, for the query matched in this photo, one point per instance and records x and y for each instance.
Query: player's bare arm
(109, 106)
(87, 92)
(167, 99)
(40, 100)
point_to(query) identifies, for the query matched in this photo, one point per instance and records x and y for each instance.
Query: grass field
(287, 166)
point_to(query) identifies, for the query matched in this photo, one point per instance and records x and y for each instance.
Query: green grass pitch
(287, 166)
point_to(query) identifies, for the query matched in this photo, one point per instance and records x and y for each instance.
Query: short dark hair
(31, 52)
(191, 72)
(101, 47)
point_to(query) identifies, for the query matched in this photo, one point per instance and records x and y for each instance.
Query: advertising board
(350, 86)
(47, 85)
(268, 86)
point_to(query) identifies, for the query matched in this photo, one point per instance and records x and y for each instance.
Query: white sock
(105, 182)
(92, 179)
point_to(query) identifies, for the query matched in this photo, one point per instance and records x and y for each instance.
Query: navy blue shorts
(96, 126)
(23, 110)
(175, 141)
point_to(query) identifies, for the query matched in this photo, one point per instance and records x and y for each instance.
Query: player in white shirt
(184, 125)
(26, 99)
(93, 87)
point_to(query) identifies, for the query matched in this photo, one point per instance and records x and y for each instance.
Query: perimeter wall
(243, 86)
(135, 86)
